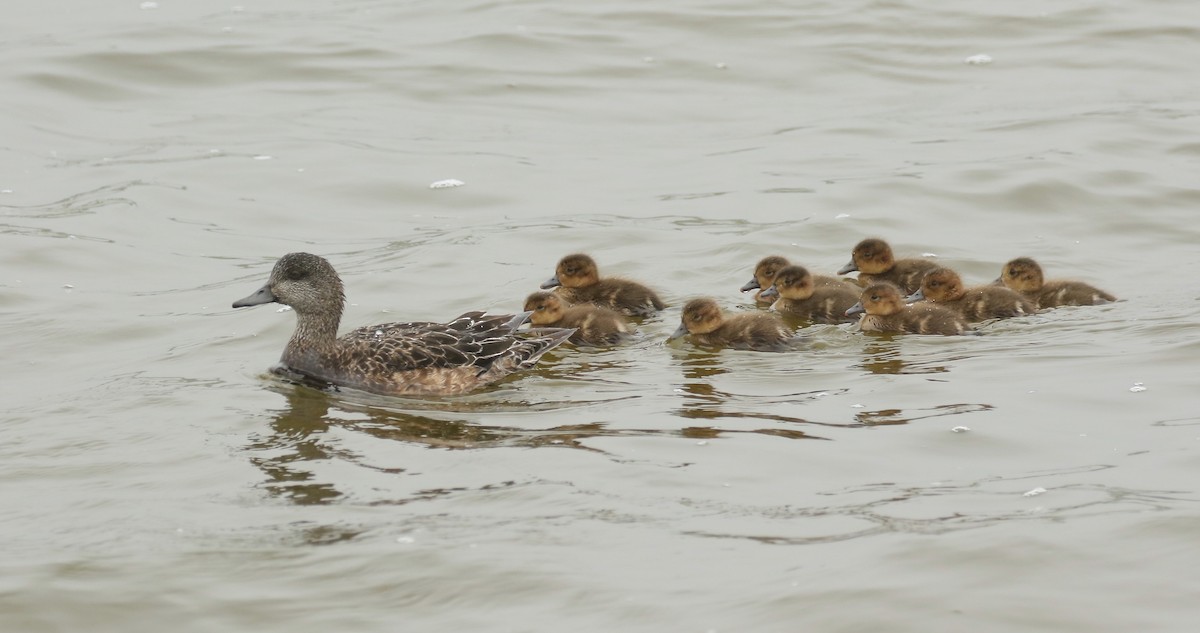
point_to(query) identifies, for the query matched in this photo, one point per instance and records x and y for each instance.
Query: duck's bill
(260, 296)
(680, 332)
(855, 309)
(751, 285)
(770, 293)
(915, 297)
(552, 282)
(518, 319)
(848, 268)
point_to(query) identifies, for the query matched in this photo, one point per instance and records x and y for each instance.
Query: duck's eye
(874, 297)
(540, 308)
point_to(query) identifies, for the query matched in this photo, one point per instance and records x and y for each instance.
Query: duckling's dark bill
(751, 285)
(552, 282)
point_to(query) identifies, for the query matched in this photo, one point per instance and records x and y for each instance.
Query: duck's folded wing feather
(471, 339)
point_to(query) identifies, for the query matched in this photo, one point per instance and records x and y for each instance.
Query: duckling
(768, 267)
(1025, 276)
(393, 358)
(593, 325)
(709, 327)
(764, 274)
(885, 312)
(800, 297)
(577, 280)
(873, 259)
(944, 287)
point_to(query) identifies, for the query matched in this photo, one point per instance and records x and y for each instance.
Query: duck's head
(700, 316)
(879, 299)
(764, 272)
(1022, 274)
(792, 282)
(574, 271)
(306, 282)
(939, 284)
(871, 256)
(546, 308)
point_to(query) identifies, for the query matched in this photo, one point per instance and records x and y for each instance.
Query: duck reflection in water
(882, 355)
(703, 401)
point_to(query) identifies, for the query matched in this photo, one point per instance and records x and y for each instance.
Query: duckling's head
(574, 271)
(700, 316)
(306, 282)
(765, 271)
(546, 307)
(1022, 274)
(879, 299)
(794, 282)
(940, 284)
(872, 256)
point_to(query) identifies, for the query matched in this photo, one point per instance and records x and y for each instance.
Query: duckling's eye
(934, 284)
(540, 308)
(874, 297)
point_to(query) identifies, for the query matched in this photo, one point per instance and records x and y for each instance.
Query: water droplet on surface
(978, 60)
(447, 183)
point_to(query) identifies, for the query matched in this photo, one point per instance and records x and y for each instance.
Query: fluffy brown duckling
(768, 267)
(885, 311)
(874, 261)
(710, 327)
(393, 358)
(594, 325)
(944, 287)
(577, 280)
(1025, 276)
(799, 296)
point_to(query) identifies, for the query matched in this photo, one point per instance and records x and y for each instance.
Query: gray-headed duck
(1025, 276)
(874, 261)
(393, 358)
(883, 310)
(799, 296)
(708, 326)
(577, 280)
(593, 325)
(944, 287)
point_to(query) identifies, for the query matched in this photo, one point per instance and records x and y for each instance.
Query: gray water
(156, 161)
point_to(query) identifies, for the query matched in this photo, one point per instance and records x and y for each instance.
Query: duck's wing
(473, 339)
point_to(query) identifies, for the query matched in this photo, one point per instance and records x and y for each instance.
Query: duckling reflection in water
(708, 326)
(577, 280)
(393, 358)
(884, 311)
(874, 261)
(593, 325)
(799, 296)
(768, 268)
(1025, 276)
(944, 287)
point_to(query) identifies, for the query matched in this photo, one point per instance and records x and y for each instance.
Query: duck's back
(433, 358)
(1071, 293)
(828, 304)
(627, 297)
(919, 318)
(905, 273)
(753, 331)
(595, 325)
(992, 302)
